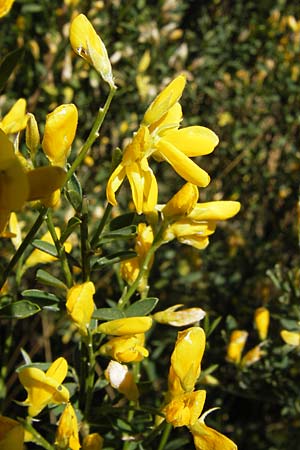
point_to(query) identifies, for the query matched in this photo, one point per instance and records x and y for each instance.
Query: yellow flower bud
(32, 135)
(67, 432)
(16, 119)
(120, 378)
(182, 203)
(87, 44)
(291, 337)
(236, 345)
(125, 348)
(126, 326)
(252, 356)
(179, 318)
(80, 305)
(11, 434)
(60, 129)
(165, 100)
(184, 409)
(92, 441)
(44, 388)
(262, 320)
(187, 355)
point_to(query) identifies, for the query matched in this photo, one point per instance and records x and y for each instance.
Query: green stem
(85, 245)
(60, 251)
(94, 133)
(90, 375)
(144, 268)
(26, 242)
(165, 436)
(38, 438)
(101, 225)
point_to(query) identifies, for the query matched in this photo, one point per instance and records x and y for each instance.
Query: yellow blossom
(18, 185)
(87, 44)
(92, 441)
(206, 438)
(291, 337)
(39, 257)
(130, 268)
(187, 355)
(32, 135)
(122, 379)
(125, 348)
(126, 326)
(67, 432)
(15, 230)
(80, 305)
(44, 388)
(182, 203)
(16, 119)
(5, 6)
(185, 409)
(181, 318)
(236, 345)
(60, 129)
(159, 136)
(11, 434)
(200, 223)
(262, 320)
(253, 355)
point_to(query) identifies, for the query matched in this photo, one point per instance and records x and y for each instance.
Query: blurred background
(242, 63)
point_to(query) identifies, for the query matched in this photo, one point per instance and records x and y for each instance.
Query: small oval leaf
(19, 310)
(108, 314)
(142, 307)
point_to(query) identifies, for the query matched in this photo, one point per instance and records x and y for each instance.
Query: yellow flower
(126, 326)
(120, 378)
(159, 136)
(253, 355)
(80, 305)
(200, 223)
(32, 135)
(92, 441)
(11, 434)
(125, 348)
(187, 355)
(87, 44)
(67, 431)
(130, 268)
(182, 203)
(60, 129)
(39, 257)
(185, 409)
(262, 320)
(236, 345)
(5, 6)
(291, 337)
(16, 119)
(18, 185)
(181, 318)
(206, 438)
(44, 388)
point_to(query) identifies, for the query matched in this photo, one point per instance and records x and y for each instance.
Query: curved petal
(193, 141)
(150, 192)
(206, 438)
(137, 183)
(114, 182)
(218, 210)
(198, 242)
(181, 163)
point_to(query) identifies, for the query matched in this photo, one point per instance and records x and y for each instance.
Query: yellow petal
(253, 355)
(11, 434)
(60, 129)
(87, 44)
(182, 203)
(171, 120)
(150, 191)
(165, 100)
(32, 134)
(14, 228)
(218, 210)
(187, 355)
(14, 186)
(114, 182)
(58, 370)
(16, 119)
(198, 242)
(291, 337)
(93, 441)
(128, 325)
(262, 320)
(67, 432)
(80, 305)
(120, 378)
(180, 318)
(182, 164)
(43, 181)
(236, 345)
(206, 438)
(185, 409)
(137, 181)
(194, 140)
(126, 349)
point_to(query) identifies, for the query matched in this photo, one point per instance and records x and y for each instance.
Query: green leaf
(114, 258)
(74, 193)
(142, 307)
(45, 300)
(45, 247)
(108, 314)
(122, 233)
(122, 221)
(19, 310)
(8, 64)
(72, 224)
(46, 278)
